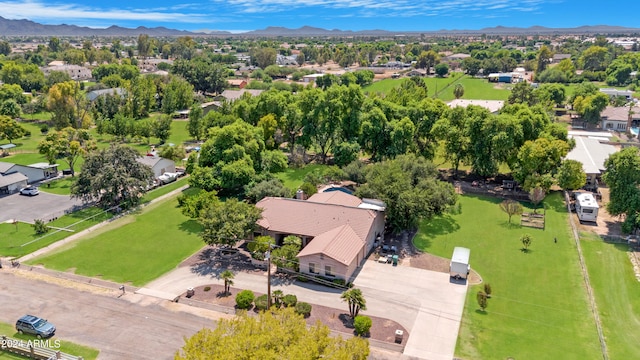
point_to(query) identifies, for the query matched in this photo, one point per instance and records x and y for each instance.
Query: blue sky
(393, 15)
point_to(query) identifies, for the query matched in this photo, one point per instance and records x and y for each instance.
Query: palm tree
(356, 301)
(227, 276)
(277, 297)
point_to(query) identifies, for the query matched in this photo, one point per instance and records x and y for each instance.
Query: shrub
(244, 299)
(303, 309)
(207, 288)
(339, 282)
(487, 289)
(44, 128)
(362, 325)
(303, 278)
(27, 133)
(40, 227)
(289, 300)
(261, 302)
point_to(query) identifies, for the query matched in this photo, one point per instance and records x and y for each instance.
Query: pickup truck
(167, 178)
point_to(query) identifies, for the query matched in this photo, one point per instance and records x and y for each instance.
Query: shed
(459, 267)
(158, 165)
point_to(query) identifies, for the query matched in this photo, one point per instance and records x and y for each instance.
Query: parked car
(34, 325)
(167, 177)
(30, 190)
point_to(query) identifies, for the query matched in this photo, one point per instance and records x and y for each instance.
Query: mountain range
(29, 28)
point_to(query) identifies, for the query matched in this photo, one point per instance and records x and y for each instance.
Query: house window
(312, 268)
(328, 271)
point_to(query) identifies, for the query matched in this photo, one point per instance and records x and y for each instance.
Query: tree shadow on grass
(526, 251)
(445, 224)
(190, 226)
(481, 312)
(510, 225)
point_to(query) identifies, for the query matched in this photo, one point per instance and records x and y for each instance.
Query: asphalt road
(130, 327)
(28, 208)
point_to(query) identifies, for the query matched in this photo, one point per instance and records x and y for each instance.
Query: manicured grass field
(136, 248)
(20, 240)
(65, 346)
(539, 307)
(293, 178)
(59, 186)
(617, 294)
(473, 88)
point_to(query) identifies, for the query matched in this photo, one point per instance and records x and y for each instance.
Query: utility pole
(268, 256)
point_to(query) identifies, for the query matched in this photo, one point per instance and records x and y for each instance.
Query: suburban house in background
(75, 72)
(619, 118)
(613, 93)
(92, 95)
(34, 172)
(338, 230)
(158, 164)
(237, 83)
(12, 183)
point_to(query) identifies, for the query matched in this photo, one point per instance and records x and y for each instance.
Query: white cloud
(34, 10)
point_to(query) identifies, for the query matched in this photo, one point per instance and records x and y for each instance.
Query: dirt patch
(336, 319)
(607, 224)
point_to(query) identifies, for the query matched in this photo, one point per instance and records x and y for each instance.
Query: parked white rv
(586, 207)
(459, 267)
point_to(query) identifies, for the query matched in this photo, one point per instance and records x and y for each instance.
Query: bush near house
(303, 309)
(290, 300)
(244, 299)
(362, 325)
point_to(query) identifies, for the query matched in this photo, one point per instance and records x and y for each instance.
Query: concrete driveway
(424, 302)
(44, 206)
(427, 299)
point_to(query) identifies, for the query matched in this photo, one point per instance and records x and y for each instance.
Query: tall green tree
(623, 178)
(10, 129)
(227, 222)
(571, 176)
(69, 144)
(409, 187)
(274, 334)
(176, 95)
(112, 177)
(69, 106)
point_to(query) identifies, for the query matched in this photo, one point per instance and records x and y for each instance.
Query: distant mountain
(29, 28)
(498, 30)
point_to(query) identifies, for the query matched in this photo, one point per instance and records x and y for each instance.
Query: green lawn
(473, 88)
(136, 248)
(617, 294)
(293, 178)
(65, 346)
(22, 239)
(539, 307)
(59, 186)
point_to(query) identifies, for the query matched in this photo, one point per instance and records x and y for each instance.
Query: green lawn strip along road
(67, 347)
(539, 307)
(136, 248)
(21, 238)
(617, 294)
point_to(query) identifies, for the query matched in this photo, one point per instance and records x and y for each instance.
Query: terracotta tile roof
(341, 244)
(306, 218)
(613, 113)
(336, 197)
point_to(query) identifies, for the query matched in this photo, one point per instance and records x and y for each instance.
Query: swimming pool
(634, 131)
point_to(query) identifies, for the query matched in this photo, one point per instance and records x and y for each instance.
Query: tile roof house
(338, 230)
(619, 118)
